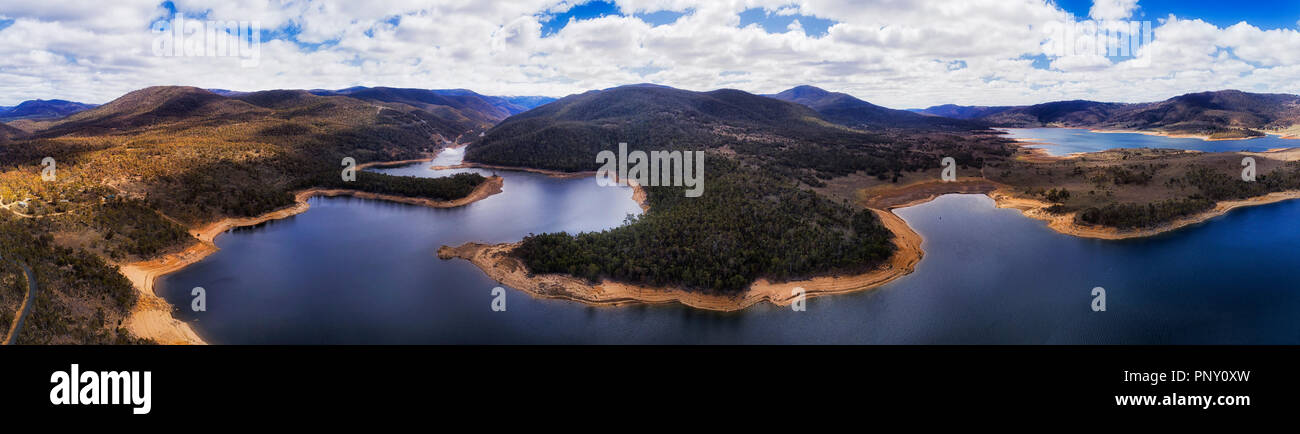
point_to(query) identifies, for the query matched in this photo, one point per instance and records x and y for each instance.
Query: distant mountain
(792, 138)
(495, 101)
(41, 109)
(960, 111)
(529, 102)
(1208, 112)
(456, 107)
(152, 106)
(1226, 113)
(847, 110)
(567, 134)
(1076, 113)
(227, 92)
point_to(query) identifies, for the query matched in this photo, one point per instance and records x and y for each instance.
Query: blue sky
(1267, 14)
(770, 20)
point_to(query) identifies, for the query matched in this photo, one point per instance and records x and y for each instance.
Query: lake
(1065, 141)
(354, 271)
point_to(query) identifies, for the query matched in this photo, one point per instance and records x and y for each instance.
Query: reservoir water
(365, 272)
(1065, 141)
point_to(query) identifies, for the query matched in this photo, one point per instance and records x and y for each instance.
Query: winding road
(12, 336)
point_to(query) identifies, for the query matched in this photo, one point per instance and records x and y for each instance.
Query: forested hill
(196, 155)
(786, 138)
(1226, 113)
(848, 110)
(453, 106)
(756, 218)
(1210, 112)
(8, 133)
(1077, 113)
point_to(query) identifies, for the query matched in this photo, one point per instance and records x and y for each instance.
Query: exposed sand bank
(497, 263)
(152, 317)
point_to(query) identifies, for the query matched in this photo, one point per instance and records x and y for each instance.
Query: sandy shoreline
(152, 317)
(495, 261)
(922, 192)
(1064, 223)
(1172, 135)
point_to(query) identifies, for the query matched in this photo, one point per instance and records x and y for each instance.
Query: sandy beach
(152, 317)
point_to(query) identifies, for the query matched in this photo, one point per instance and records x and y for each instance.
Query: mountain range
(38, 109)
(1225, 113)
(848, 110)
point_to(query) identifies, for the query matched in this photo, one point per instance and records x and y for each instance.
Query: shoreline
(639, 193)
(1064, 223)
(1201, 137)
(1173, 135)
(495, 261)
(395, 163)
(547, 172)
(1003, 197)
(152, 319)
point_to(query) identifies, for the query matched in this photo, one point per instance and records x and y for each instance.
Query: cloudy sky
(898, 53)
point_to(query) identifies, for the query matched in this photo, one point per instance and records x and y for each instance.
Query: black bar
(287, 382)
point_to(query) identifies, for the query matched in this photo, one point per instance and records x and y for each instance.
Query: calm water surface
(1065, 141)
(363, 271)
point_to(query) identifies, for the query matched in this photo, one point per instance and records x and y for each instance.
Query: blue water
(1065, 141)
(362, 271)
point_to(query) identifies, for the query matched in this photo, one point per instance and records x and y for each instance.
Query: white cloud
(891, 52)
(1104, 10)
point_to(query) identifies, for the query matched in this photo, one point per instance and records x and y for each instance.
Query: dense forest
(749, 225)
(82, 299)
(1211, 187)
(444, 188)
